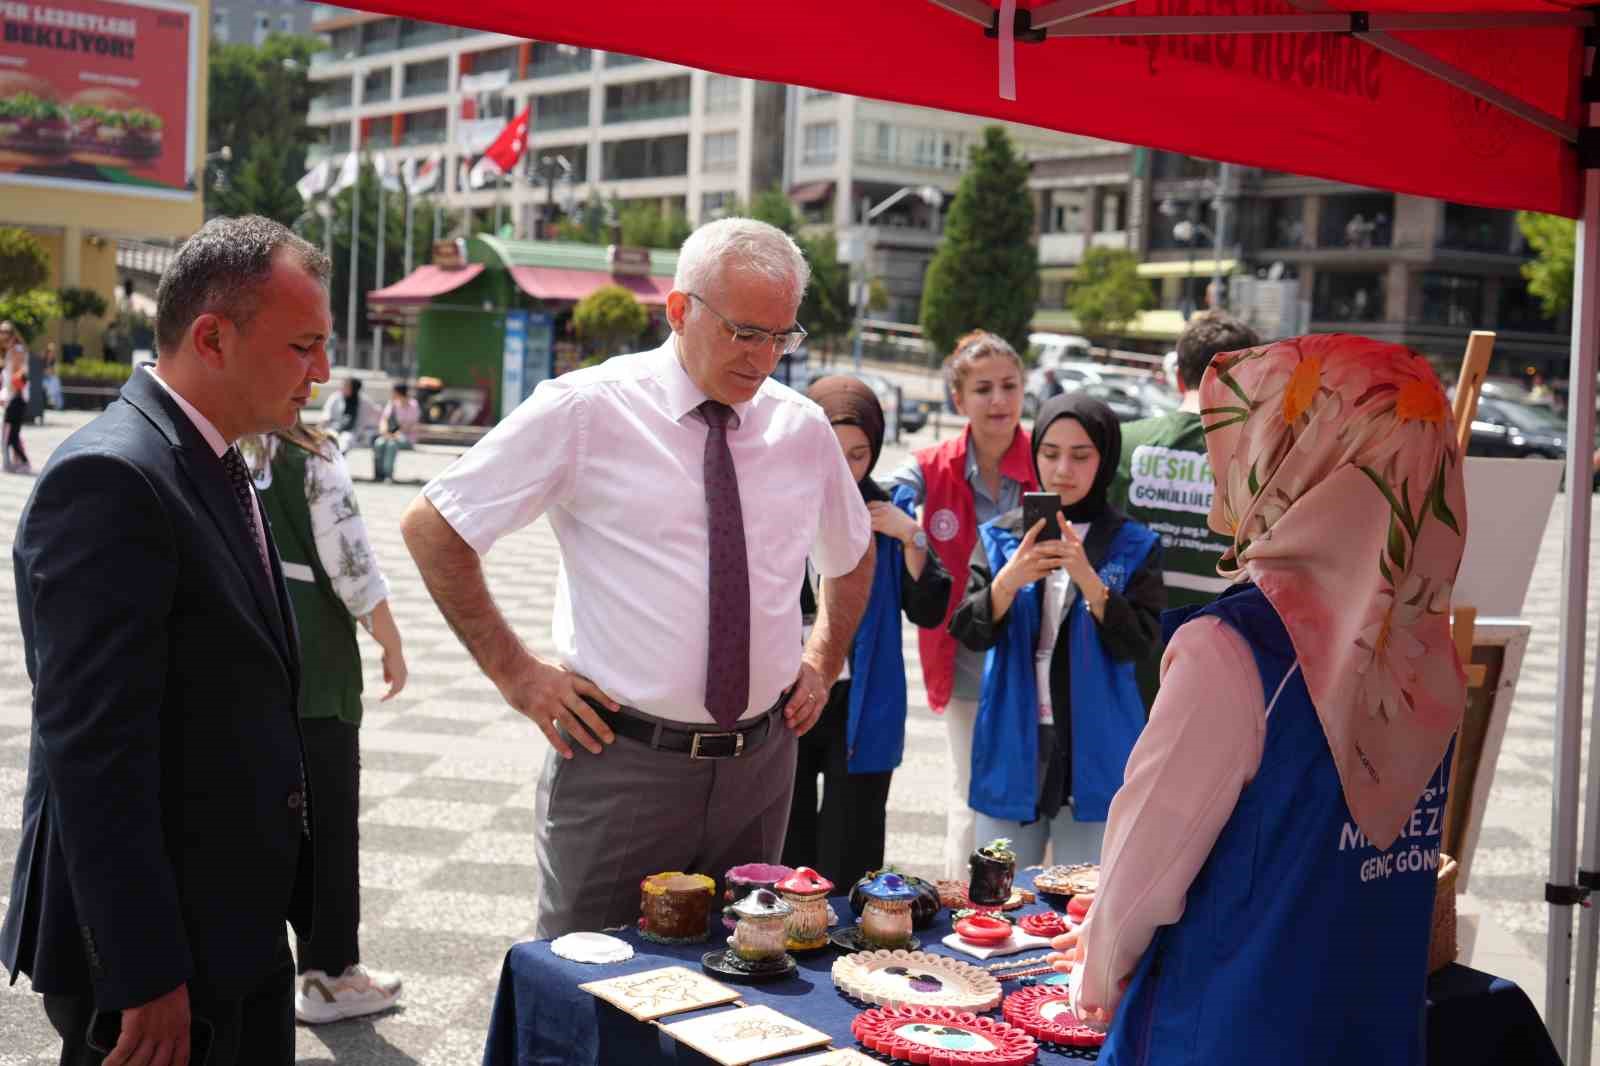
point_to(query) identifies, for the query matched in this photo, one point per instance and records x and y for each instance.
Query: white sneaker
(358, 991)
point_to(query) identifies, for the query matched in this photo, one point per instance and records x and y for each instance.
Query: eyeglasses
(784, 343)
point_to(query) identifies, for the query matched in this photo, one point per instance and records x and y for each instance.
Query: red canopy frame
(1486, 102)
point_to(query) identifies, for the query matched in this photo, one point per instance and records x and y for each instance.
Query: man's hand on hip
(549, 695)
(806, 700)
(155, 1033)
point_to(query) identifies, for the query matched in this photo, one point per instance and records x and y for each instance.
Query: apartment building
(253, 21)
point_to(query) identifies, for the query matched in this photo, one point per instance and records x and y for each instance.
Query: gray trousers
(605, 822)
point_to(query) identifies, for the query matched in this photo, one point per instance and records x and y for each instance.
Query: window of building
(875, 142)
(820, 143)
(376, 87)
(924, 147)
(1113, 211)
(1286, 227)
(1520, 310)
(415, 34)
(423, 79)
(285, 23)
(344, 43)
(720, 151)
(219, 26)
(426, 127)
(1452, 300)
(617, 59)
(1363, 220)
(715, 204)
(1477, 229)
(551, 60)
(722, 94)
(561, 111)
(381, 36)
(495, 59)
(815, 94)
(638, 100)
(263, 27)
(645, 157)
(1348, 296)
(576, 155)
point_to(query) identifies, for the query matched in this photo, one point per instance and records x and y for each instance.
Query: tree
(586, 226)
(877, 295)
(263, 186)
(1108, 292)
(773, 207)
(985, 273)
(825, 311)
(1554, 240)
(24, 271)
(608, 319)
(645, 225)
(77, 303)
(259, 93)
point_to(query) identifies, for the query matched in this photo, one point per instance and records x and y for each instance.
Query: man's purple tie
(728, 636)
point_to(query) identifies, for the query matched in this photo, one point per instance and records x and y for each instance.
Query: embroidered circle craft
(1044, 1012)
(915, 978)
(944, 524)
(983, 930)
(943, 1035)
(1044, 923)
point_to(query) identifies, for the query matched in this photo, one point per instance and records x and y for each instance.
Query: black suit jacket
(162, 834)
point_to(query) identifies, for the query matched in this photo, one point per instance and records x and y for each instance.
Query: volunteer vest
(330, 673)
(950, 518)
(1164, 481)
(1300, 942)
(1107, 713)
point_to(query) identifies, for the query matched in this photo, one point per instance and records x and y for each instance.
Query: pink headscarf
(1339, 480)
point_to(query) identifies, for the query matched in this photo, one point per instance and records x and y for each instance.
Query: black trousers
(257, 1030)
(844, 839)
(333, 770)
(13, 442)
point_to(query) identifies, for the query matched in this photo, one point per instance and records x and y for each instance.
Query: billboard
(99, 94)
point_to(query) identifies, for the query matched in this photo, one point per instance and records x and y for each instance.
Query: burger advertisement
(98, 93)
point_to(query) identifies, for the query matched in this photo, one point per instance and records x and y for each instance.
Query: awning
(423, 284)
(563, 284)
(812, 192)
(1186, 268)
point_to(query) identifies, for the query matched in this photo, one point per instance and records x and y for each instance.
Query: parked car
(1058, 355)
(1518, 430)
(1132, 400)
(913, 413)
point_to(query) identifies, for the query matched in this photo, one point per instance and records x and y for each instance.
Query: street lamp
(861, 250)
(1189, 228)
(550, 169)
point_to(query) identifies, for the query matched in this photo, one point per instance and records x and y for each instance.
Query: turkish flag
(507, 148)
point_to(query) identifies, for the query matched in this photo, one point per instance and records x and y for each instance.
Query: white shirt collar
(201, 422)
(683, 395)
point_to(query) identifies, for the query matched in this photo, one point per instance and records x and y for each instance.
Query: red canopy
(562, 283)
(1179, 75)
(423, 284)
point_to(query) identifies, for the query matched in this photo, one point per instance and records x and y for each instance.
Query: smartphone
(105, 1028)
(1037, 505)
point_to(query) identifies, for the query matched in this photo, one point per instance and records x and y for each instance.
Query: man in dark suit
(165, 835)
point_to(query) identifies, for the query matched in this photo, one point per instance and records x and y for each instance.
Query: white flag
(463, 183)
(483, 172)
(385, 170)
(348, 171)
(422, 175)
(315, 183)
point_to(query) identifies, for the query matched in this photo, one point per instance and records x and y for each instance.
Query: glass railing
(617, 59)
(643, 112)
(376, 94)
(422, 136)
(561, 120)
(552, 66)
(379, 45)
(419, 34)
(427, 86)
(322, 105)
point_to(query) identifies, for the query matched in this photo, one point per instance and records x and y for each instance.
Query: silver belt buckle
(738, 745)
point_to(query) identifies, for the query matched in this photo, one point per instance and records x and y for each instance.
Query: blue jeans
(384, 449)
(1073, 841)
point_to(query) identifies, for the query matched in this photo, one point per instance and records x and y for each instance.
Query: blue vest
(875, 737)
(1300, 942)
(1107, 711)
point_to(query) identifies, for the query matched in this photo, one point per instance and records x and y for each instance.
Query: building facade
(253, 21)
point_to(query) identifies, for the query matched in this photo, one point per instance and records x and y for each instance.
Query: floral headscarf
(1339, 481)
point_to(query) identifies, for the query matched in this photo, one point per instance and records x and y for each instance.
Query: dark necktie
(244, 493)
(728, 645)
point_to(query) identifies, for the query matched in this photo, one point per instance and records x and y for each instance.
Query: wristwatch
(919, 540)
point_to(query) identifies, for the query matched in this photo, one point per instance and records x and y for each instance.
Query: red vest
(950, 519)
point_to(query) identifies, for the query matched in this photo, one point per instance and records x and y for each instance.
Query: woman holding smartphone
(1065, 613)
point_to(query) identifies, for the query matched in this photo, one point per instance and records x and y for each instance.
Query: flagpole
(411, 206)
(355, 265)
(377, 330)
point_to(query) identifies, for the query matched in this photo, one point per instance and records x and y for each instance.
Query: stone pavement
(449, 775)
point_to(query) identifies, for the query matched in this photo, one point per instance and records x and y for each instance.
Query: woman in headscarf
(857, 742)
(1067, 618)
(1270, 862)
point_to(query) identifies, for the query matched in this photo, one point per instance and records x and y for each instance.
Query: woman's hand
(394, 671)
(1032, 561)
(891, 521)
(1076, 563)
(1068, 957)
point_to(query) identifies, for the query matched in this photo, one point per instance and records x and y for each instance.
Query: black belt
(695, 743)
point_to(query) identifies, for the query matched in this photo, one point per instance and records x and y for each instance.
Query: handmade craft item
(755, 951)
(591, 948)
(953, 894)
(1078, 908)
(1043, 923)
(924, 909)
(890, 978)
(742, 880)
(942, 1035)
(675, 907)
(1068, 880)
(993, 868)
(657, 993)
(806, 892)
(837, 1057)
(1016, 941)
(737, 1037)
(983, 930)
(886, 917)
(1044, 1012)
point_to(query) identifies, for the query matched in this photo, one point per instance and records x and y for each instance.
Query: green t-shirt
(1164, 481)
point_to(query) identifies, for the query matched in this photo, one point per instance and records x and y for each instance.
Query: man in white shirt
(687, 491)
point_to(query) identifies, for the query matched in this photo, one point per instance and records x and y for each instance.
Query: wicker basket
(1442, 940)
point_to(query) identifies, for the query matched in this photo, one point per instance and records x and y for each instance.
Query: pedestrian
(16, 413)
(346, 416)
(334, 582)
(164, 825)
(1164, 479)
(1062, 621)
(52, 377)
(974, 477)
(685, 490)
(860, 737)
(396, 427)
(1299, 739)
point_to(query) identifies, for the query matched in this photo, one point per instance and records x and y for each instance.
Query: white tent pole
(1561, 892)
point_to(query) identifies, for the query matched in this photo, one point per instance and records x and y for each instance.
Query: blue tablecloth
(541, 1018)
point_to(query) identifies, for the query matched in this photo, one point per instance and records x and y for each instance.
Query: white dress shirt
(614, 454)
(1059, 592)
(218, 445)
